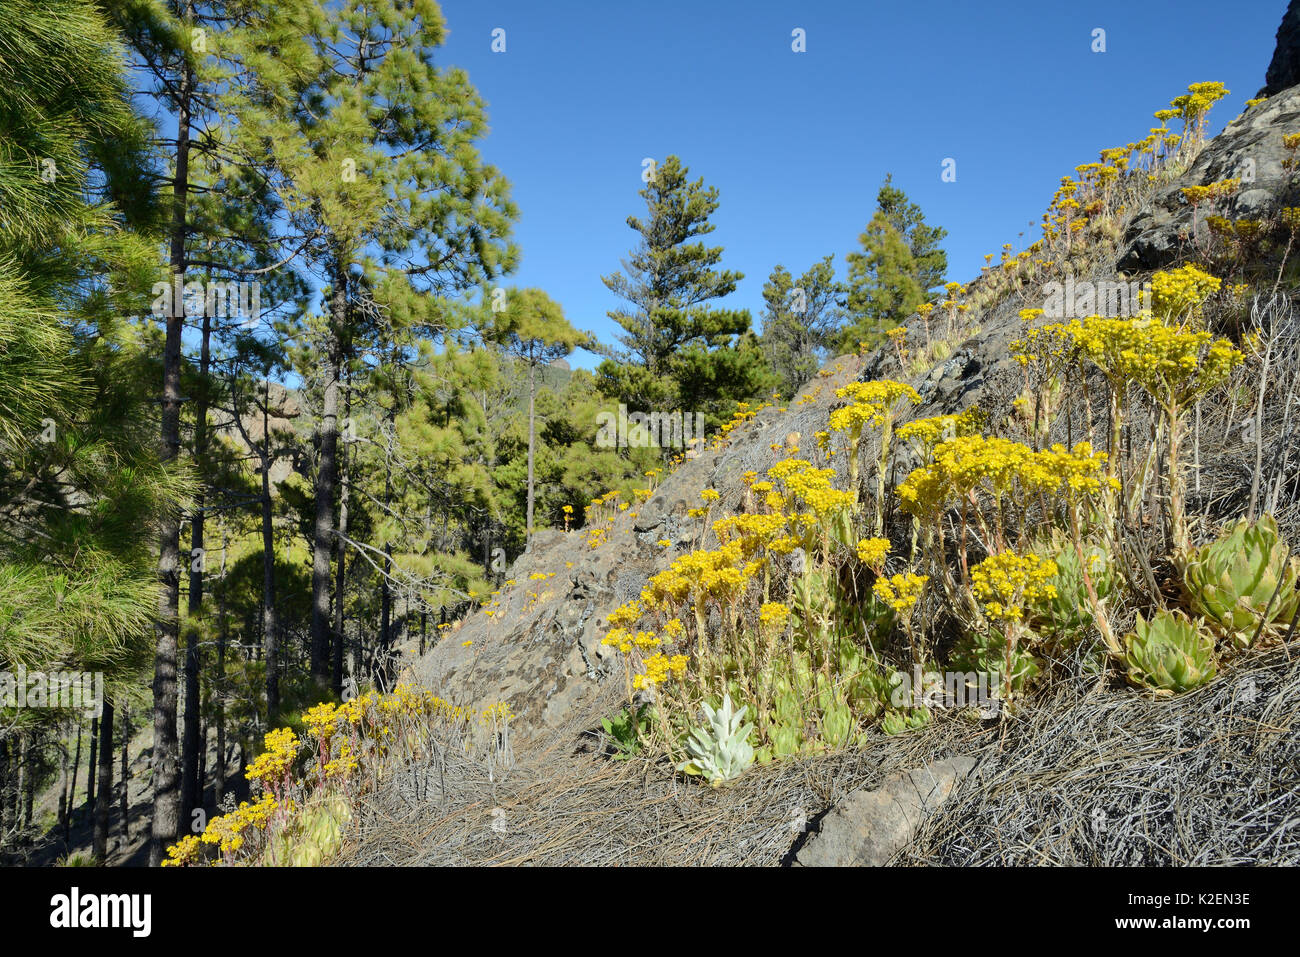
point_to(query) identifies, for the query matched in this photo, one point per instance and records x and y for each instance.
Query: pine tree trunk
(270, 623)
(386, 593)
(166, 784)
(532, 393)
(105, 774)
(340, 571)
(125, 798)
(71, 801)
(92, 765)
(326, 470)
(28, 786)
(219, 771)
(11, 769)
(191, 783)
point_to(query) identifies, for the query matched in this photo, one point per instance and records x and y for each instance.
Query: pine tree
(928, 257)
(221, 226)
(680, 348)
(81, 479)
(899, 265)
(374, 153)
(532, 328)
(801, 321)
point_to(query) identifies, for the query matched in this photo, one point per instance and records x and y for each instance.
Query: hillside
(320, 543)
(1087, 747)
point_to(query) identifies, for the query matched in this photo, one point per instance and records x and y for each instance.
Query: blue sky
(798, 143)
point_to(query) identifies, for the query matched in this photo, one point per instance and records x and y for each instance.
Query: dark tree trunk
(270, 624)
(191, 744)
(532, 394)
(125, 797)
(71, 801)
(326, 471)
(29, 785)
(340, 571)
(386, 593)
(219, 771)
(92, 764)
(166, 784)
(105, 773)
(11, 769)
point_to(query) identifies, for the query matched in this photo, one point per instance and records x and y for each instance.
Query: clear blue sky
(798, 143)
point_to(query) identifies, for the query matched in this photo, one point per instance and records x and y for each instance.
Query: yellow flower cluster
(625, 614)
(321, 720)
(625, 640)
(774, 614)
(369, 715)
(1177, 364)
(716, 573)
(924, 434)
(1211, 192)
(1072, 473)
(998, 466)
(228, 830)
(659, 669)
(274, 763)
(872, 551)
(345, 764)
(1181, 291)
(754, 532)
(900, 592)
(1196, 102)
(812, 486)
(1049, 345)
(1005, 581)
(1170, 362)
(872, 403)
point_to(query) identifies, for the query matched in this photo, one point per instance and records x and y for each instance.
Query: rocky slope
(540, 650)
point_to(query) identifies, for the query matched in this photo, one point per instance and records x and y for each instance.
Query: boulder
(868, 827)
(1249, 149)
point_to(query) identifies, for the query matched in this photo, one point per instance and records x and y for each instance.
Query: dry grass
(1087, 776)
(569, 804)
(1208, 778)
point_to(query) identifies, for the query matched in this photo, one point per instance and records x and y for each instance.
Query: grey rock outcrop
(1250, 149)
(1284, 69)
(540, 650)
(868, 827)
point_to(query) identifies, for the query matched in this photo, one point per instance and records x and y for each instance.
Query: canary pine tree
(900, 263)
(82, 482)
(680, 350)
(928, 258)
(532, 328)
(374, 157)
(801, 320)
